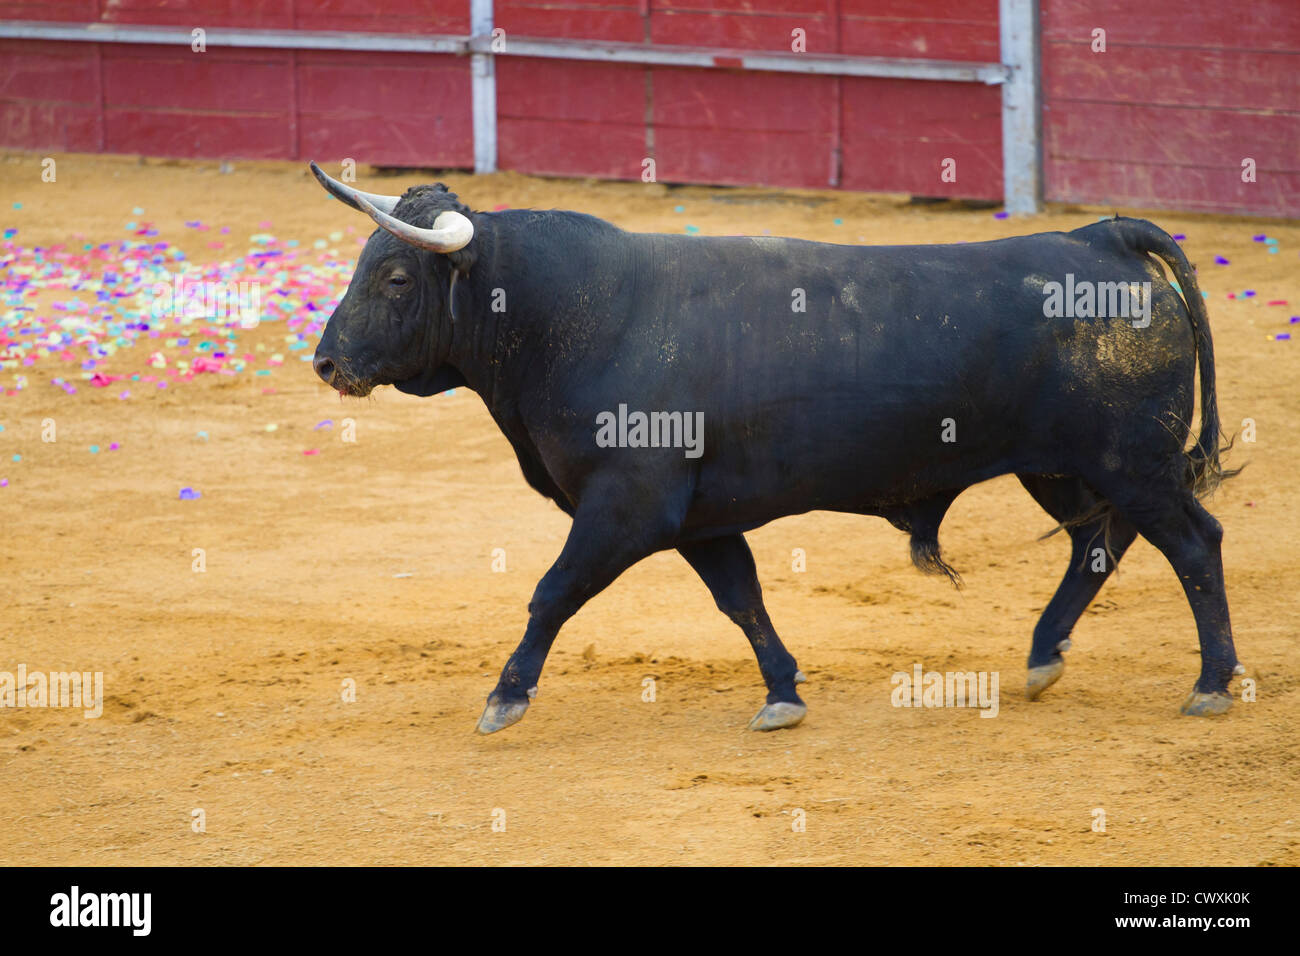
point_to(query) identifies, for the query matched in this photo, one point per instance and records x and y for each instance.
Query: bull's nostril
(324, 368)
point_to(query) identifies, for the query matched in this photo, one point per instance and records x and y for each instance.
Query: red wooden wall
(555, 117)
(1163, 118)
(1184, 92)
(382, 108)
(742, 128)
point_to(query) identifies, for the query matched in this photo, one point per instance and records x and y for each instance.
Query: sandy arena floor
(223, 689)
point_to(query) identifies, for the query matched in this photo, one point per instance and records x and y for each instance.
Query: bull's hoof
(1200, 704)
(1042, 677)
(499, 714)
(778, 715)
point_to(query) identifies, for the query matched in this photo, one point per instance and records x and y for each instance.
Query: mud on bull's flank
(626, 429)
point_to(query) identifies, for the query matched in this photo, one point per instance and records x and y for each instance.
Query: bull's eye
(397, 280)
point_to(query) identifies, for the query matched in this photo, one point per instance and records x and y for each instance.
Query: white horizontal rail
(609, 52)
(232, 37)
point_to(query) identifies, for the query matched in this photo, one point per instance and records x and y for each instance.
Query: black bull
(870, 380)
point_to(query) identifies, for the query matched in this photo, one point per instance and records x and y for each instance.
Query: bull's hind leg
(1096, 547)
(727, 566)
(1189, 537)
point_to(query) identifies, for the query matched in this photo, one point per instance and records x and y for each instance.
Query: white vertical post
(484, 90)
(1022, 146)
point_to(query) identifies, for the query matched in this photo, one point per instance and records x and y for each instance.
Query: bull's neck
(515, 286)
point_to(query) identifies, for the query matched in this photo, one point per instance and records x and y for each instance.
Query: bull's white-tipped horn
(345, 193)
(451, 230)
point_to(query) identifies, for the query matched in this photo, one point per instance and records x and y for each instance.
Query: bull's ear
(458, 295)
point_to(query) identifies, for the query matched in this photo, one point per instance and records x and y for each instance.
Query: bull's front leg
(612, 530)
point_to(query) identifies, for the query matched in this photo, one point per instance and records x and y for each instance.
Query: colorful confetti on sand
(71, 310)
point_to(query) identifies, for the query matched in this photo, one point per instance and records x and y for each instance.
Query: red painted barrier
(743, 128)
(1164, 117)
(1182, 95)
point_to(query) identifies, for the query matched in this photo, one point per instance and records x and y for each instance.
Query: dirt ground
(373, 561)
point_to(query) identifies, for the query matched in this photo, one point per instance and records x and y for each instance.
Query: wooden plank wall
(1163, 118)
(1183, 94)
(737, 128)
(555, 117)
(382, 108)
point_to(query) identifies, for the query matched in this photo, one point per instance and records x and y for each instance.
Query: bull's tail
(1205, 472)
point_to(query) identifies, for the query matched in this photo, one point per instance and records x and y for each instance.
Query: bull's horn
(451, 230)
(347, 194)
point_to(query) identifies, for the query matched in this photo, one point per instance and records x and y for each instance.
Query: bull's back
(849, 378)
(852, 378)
